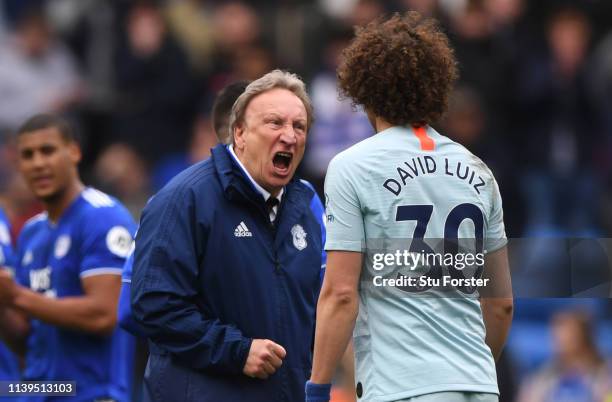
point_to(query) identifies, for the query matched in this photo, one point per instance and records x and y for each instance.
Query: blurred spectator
(89, 27)
(504, 13)
(479, 53)
(423, 7)
(14, 10)
(337, 125)
(191, 22)
(577, 373)
(252, 62)
(7, 162)
(236, 25)
(601, 84)
(337, 9)
(559, 130)
(37, 73)
(488, 37)
(122, 172)
(465, 120)
(19, 203)
(364, 12)
(237, 30)
(202, 140)
(3, 23)
(510, 35)
(467, 123)
(207, 131)
(154, 84)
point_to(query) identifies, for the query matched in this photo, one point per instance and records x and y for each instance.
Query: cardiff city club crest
(62, 246)
(299, 237)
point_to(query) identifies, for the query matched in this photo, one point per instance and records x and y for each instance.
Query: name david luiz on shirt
(426, 165)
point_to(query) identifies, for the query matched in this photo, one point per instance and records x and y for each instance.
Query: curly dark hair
(401, 69)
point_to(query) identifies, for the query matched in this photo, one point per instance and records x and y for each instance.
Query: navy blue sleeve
(169, 247)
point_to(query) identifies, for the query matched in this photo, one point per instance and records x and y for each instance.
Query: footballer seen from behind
(417, 342)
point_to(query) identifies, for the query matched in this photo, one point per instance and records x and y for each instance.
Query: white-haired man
(228, 259)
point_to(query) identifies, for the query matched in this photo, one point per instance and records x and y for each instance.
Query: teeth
(285, 154)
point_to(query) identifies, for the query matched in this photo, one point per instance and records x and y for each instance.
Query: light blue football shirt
(398, 185)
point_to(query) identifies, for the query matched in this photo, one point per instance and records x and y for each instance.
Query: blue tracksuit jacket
(211, 274)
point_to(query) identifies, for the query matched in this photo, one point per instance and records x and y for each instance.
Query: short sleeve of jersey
(6, 250)
(107, 242)
(126, 276)
(495, 237)
(345, 228)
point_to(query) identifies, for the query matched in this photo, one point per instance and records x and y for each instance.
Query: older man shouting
(228, 260)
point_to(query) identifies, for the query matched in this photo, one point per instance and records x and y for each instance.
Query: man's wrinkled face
(47, 161)
(270, 140)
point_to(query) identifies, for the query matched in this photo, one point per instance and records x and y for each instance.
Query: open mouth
(282, 161)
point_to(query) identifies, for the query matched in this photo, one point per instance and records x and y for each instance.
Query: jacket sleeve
(165, 288)
(124, 310)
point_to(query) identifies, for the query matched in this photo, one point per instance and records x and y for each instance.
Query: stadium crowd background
(534, 101)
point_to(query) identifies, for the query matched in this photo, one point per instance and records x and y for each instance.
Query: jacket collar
(235, 184)
(236, 187)
(266, 195)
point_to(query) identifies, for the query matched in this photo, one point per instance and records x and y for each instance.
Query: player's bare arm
(94, 312)
(496, 302)
(14, 329)
(336, 313)
(14, 325)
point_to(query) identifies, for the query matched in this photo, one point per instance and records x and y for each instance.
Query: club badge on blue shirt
(5, 235)
(299, 237)
(62, 245)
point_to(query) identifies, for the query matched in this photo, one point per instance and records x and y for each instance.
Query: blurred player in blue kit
(9, 366)
(61, 311)
(409, 182)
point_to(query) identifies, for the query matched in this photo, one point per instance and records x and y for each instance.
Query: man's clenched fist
(265, 357)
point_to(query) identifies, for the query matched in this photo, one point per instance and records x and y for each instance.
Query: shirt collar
(257, 187)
